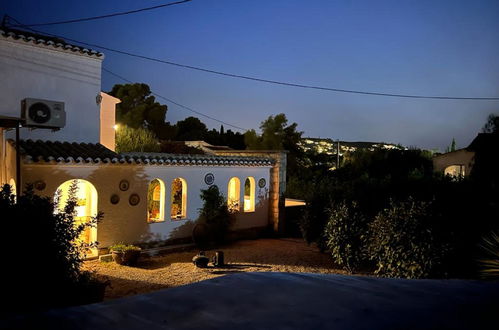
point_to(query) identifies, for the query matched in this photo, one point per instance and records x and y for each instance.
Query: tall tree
(276, 135)
(138, 108)
(492, 125)
(191, 129)
(452, 146)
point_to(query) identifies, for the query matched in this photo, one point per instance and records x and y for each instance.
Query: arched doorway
(86, 208)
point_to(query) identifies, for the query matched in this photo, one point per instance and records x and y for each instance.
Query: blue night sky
(407, 47)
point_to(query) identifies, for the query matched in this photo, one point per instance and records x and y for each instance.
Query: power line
(268, 81)
(176, 103)
(76, 20)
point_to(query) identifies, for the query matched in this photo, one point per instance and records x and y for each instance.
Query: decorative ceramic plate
(134, 199)
(40, 185)
(209, 179)
(262, 183)
(115, 199)
(124, 185)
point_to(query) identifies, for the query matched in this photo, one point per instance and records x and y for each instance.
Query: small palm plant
(490, 263)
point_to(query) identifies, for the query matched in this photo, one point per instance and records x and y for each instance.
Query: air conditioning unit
(43, 113)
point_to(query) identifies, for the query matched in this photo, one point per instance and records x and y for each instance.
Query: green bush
(136, 140)
(344, 234)
(42, 252)
(401, 241)
(215, 215)
(120, 247)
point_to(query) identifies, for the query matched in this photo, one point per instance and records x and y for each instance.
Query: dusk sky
(448, 48)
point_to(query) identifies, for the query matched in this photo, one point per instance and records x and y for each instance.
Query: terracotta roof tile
(47, 41)
(66, 152)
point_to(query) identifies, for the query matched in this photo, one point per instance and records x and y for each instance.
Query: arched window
(86, 206)
(456, 171)
(179, 199)
(156, 201)
(249, 194)
(234, 192)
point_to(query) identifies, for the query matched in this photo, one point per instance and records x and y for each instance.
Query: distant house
(460, 163)
(144, 196)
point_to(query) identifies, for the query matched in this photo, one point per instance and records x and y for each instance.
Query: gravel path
(172, 270)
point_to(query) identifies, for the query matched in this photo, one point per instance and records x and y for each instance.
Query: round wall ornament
(124, 185)
(115, 199)
(40, 185)
(134, 199)
(209, 179)
(262, 183)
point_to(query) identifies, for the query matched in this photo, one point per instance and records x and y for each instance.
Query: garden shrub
(344, 234)
(42, 251)
(215, 215)
(401, 241)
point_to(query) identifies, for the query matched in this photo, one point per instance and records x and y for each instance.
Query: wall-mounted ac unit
(43, 113)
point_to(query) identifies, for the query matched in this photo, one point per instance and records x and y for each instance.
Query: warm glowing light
(116, 127)
(179, 199)
(234, 189)
(156, 201)
(86, 207)
(249, 194)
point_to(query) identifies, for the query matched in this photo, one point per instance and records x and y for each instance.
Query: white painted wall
(36, 71)
(123, 222)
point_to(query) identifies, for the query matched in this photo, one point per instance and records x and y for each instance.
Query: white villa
(144, 196)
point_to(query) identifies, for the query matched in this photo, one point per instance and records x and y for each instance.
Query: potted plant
(125, 254)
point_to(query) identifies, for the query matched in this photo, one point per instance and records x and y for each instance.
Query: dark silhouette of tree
(190, 129)
(138, 108)
(492, 125)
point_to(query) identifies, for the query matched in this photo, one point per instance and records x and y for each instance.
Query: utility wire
(86, 19)
(268, 81)
(176, 103)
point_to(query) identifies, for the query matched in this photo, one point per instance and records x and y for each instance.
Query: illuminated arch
(456, 171)
(249, 194)
(234, 194)
(156, 201)
(86, 208)
(178, 199)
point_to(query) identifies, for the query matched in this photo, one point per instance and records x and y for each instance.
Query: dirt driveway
(262, 255)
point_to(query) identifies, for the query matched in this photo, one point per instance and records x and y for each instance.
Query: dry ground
(263, 255)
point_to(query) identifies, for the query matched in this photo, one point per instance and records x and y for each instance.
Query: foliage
(401, 241)
(215, 214)
(344, 234)
(492, 124)
(452, 146)
(138, 108)
(46, 265)
(315, 215)
(135, 140)
(174, 147)
(121, 247)
(489, 262)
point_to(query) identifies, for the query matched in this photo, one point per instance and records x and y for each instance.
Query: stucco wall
(7, 160)
(123, 222)
(34, 71)
(277, 186)
(458, 157)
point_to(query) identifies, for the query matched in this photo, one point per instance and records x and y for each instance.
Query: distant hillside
(329, 146)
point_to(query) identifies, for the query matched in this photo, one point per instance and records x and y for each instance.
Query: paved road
(291, 301)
